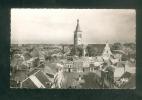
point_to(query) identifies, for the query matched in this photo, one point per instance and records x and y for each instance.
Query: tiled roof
(42, 78)
(39, 77)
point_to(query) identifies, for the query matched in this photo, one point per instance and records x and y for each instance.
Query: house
(126, 81)
(68, 66)
(110, 74)
(18, 76)
(37, 80)
(106, 52)
(82, 64)
(93, 68)
(107, 76)
(118, 72)
(114, 60)
(77, 65)
(99, 59)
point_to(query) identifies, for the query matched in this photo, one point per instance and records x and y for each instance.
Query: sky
(55, 26)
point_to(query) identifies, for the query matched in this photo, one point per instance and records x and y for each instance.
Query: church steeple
(77, 37)
(77, 27)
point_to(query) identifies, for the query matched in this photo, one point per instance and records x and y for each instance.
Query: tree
(92, 51)
(130, 45)
(72, 52)
(116, 46)
(48, 57)
(130, 49)
(90, 81)
(36, 62)
(77, 51)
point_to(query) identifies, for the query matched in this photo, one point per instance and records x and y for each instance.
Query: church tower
(77, 36)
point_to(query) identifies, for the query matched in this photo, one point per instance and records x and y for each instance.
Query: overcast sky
(58, 25)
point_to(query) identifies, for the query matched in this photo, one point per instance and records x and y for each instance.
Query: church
(84, 62)
(78, 42)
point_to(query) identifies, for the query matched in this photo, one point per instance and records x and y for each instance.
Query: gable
(36, 80)
(28, 83)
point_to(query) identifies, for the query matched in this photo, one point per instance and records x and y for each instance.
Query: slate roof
(77, 27)
(98, 46)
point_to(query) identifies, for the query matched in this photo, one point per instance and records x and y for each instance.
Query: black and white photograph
(72, 48)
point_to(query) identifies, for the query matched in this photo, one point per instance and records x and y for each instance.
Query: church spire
(77, 26)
